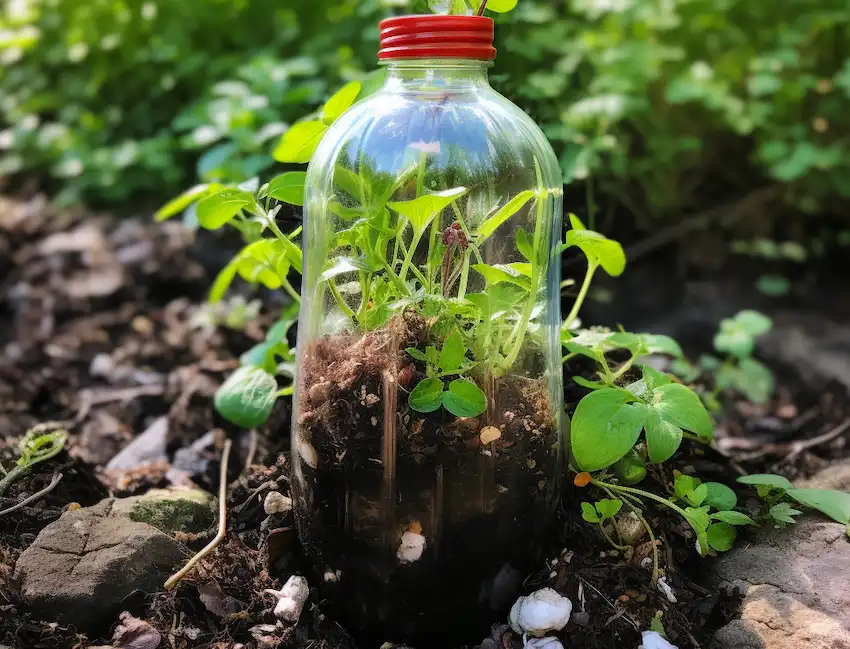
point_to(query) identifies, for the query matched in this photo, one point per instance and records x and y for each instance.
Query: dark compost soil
(102, 327)
(377, 469)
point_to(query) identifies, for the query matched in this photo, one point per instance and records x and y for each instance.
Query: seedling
(462, 397)
(41, 443)
(738, 371)
(602, 511)
(775, 492)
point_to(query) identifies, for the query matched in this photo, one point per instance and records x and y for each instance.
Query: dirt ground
(103, 328)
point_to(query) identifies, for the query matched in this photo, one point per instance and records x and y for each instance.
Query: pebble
(277, 503)
(411, 548)
(291, 599)
(542, 611)
(654, 640)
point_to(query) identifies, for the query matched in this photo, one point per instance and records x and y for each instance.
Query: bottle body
(427, 421)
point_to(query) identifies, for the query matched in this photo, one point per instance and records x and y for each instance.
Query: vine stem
(585, 286)
(482, 7)
(222, 523)
(644, 494)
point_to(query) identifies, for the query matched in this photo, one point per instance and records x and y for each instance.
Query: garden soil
(103, 329)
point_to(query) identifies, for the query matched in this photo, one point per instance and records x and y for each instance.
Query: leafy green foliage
(462, 397)
(247, 397)
(737, 335)
(783, 514)
(775, 490)
(599, 249)
(601, 510)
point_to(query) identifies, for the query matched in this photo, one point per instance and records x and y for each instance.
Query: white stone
(654, 640)
(291, 599)
(547, 642)
(411, 548)
(665, 589)
(277, 503)
(542, 611)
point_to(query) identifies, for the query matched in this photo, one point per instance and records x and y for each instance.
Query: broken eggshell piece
(411, 548)
(654, 640)
(291, 599)
(542, 611)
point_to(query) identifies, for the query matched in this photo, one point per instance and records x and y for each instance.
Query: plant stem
(289, 289)
(464, 276)
(588, 276)
(15, 473)
(340, 302)
(609, 539)
(566, 358)
(365, 287)
(625, 367)
(637, 512)
(409, 256)
(644, 494)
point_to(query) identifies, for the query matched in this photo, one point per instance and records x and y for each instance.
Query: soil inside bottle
(377, 479)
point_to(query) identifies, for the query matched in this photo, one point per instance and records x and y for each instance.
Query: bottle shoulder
(475, 129)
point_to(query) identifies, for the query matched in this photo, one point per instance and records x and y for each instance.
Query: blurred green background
(654, 107)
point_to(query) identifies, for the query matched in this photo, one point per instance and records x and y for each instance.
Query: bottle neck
(436, 75)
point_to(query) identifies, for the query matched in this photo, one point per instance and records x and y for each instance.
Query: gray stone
(81, 567)
(794, 582)
(836, 477)
(169, 510)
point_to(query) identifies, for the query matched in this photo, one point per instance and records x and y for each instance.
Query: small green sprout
(602, 511)
(41, 443)
(462, 397)
(775, 490)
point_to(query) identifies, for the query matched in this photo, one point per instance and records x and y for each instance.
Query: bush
(114, 99)
(653, 98)
(659, 102)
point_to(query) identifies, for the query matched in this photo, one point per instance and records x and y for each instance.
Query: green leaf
(299, 142)
(631, 469)
(697, 496)
(721, 536)
(835, 504)
(180, 203)
(698, 518)
(524, 244)
(464, 399)
(453, 353)
(608, 507)
(340, 102)
(755, 380)
(496, 6)
(426, 396)
(590, 385)
(662, 437)
(495, 275)
(720, 496)
(681, 406)
(604, 428)
(766, 480)
(415, 353)
(598, 248)
(684, 484)
(783, 513)
(420, 211)
(431, 356)
(733, 518)
(342, 265)
(660, 344)
(503, 214)
(288, 187)
(737, 335)
(588, 513)
(217, 209)
(247, 397)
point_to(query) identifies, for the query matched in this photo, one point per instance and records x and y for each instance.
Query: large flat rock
(81, 567)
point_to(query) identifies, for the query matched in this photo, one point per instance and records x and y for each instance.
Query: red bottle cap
(445, 37)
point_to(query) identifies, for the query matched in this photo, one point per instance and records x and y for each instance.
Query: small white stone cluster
(542, 611)
(290, 599)
(654, 640)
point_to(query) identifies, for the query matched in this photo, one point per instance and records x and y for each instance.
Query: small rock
(291, 599)
(794, 583)
(145, 448)
(411, 547)
(631, 529)
(666, 590)
(835, 477)
(490, 434)
(307, 452)
(83, 566)
(547, 642)
(654, 640)
(277, 503)
(542, 611)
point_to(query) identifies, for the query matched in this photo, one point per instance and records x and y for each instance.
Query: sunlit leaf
(504, 213)
(299, 142)
(247, 397)
(604, 428)
(341, 100)
(180, 203)
(420, 211)
(288, 187)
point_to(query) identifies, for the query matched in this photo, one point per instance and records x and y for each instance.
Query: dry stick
(802, 445)
(222, 523)
(26, 501)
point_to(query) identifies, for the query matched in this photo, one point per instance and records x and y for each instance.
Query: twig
(29, 499)
(252, 448)
(482, 7)
(800, 446)
(222, 523)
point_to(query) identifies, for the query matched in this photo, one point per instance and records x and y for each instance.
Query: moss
(183, 513)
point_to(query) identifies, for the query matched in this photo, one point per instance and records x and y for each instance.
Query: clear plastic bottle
(427, 424)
